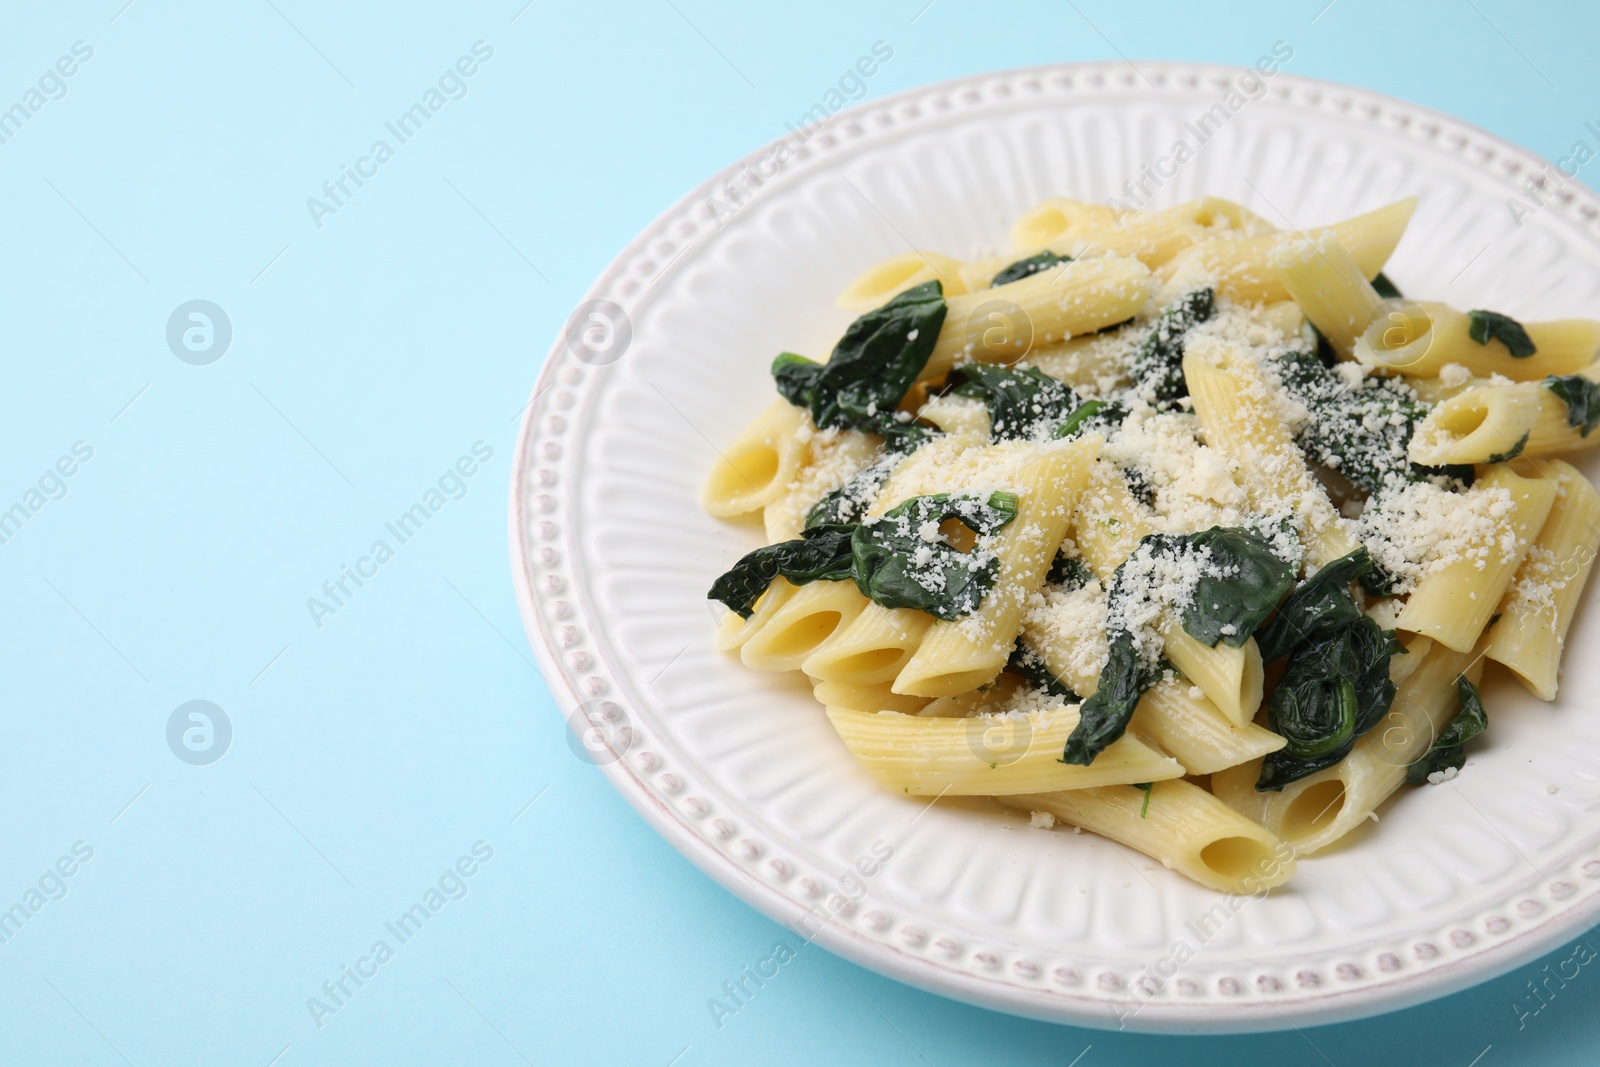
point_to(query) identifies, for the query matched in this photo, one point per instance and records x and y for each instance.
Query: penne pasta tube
(1328, 285)
(1489, 424)
(870, 698)
(1419, 339)
(1179, 824)
(735, 631)
(1195, 732)
(1552, 433)
(1057, 218)
(1536, 611)
(963, 654)
(989, 755)
(1002, 324)
(1453, 603)
(1241, 268)
(871, 649)
(830, 458)
(809, 616)
(757, 466)
(882, 281)
(990, 698)
(1239, 418)
(1316, 811)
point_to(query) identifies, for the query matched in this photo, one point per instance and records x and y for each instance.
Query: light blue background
(370, 753)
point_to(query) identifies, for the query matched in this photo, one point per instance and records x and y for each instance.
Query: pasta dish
(1167, 525)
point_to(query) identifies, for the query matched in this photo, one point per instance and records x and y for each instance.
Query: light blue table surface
(373, 752)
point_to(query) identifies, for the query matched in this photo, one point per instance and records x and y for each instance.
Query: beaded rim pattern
(687, 810)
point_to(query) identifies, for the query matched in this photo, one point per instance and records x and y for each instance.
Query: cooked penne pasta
(1489, 424)
(1454, 602)
(1181, 825)
(1421, 339)
(1324, 280)
(1530, 632)
(1316, 811)
(957, 655)
(1240, 267)
(1002, 324)
(807, 618)
(990, 755)
(1240, 419)
(1100, 528)
(758, 465)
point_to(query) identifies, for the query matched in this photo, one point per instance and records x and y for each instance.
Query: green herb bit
(1486, 326)
(1027, 268)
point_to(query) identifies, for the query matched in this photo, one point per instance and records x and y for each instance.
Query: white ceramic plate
(741, 771)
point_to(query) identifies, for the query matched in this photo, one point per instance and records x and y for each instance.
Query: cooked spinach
(1104, 716)
(1486, 326)
(1068, 572)
(849, 502)
(872, 366)
(1335, 685)
(1582, 398)
(1239, 586)
(1026, 268)
(1021, 403)
(1147, 787)
(1240, 583)
(1321, 602)
(1334, 689)
(822, 552)
(1449, 748)
(1516, 450)
(1363, 431)
(1089, 416)
(1157, 367)
(1137, 478)
(1386, 288)
(900, 561)
(1028, 663)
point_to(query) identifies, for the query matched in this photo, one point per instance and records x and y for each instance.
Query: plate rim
(1285, 1009)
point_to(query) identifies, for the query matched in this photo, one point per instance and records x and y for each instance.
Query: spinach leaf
(1486, 326)
(900, 561)
(1322, 602)
(822, 552)
(1386, 288)
(1089, 416)
(1516, 450)
(1103, 717)
(849, 502)
(1239, 584)
(1026, 268)
(1028, 663)
(1334, 689)
(1448, 749)
(1021, 403)
(1068, 571)
(1335, 686)
(1238, 588)
(874, 363)
(1362, 432)
(1582, 398)
(1157, 366)
(897, 560)
(1137, 478)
